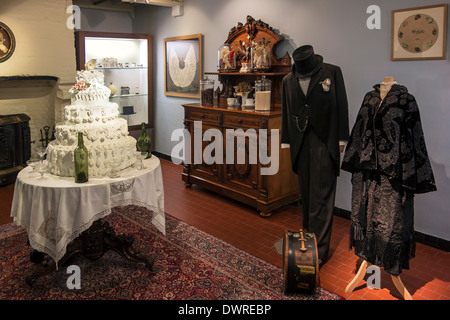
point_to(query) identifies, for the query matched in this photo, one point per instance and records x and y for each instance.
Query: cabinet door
(203, 153)
(241, 167)
(126, 60)
(132, 92)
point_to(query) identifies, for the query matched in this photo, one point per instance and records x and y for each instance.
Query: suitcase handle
(302, 240)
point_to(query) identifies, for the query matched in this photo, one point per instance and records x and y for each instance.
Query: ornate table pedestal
(92, 244)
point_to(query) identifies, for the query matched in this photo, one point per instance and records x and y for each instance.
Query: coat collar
(395, 88)
(315, 78)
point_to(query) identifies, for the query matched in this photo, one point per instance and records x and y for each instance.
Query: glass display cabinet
(126, 60)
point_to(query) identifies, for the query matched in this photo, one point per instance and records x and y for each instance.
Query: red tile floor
(241, 226)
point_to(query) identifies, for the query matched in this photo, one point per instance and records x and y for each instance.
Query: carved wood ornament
(241, 37)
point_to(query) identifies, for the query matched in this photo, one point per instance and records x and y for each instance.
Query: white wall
(44, 43)
(337, 30)
(106, 21)
(44, 47)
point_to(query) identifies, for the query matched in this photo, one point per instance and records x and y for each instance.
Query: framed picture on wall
(7, 42)
(183, 66)
(419, 33)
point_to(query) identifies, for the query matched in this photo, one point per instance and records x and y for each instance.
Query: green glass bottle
(81, 161)
(144, 142)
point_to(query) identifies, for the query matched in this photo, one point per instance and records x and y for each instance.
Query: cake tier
(91, 114)
(90, 98)
(94, 134)
(121, 151)
(90, 89)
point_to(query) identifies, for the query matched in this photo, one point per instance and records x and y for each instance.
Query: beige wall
(44, 47)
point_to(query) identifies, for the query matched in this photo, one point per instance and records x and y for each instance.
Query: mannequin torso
(386, 86)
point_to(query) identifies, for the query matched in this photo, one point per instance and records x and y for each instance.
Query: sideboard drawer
(240, 181)
(241, 121)
(201, 115)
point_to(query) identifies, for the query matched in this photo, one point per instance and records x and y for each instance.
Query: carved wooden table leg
(36, 256)
(73, 248)
(92, 244)
(122, 244)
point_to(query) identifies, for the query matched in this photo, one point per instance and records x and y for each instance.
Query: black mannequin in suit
(314, 121)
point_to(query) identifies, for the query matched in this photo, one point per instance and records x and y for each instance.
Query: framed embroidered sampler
(419, 33)
(183, 66)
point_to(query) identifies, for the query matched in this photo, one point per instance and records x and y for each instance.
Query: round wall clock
(7, 42)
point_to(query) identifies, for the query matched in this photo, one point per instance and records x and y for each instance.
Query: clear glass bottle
(263, 89)
(207, 92)
(81, 162)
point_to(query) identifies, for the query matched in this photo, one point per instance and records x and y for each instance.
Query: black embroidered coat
(388, 159)
(388, 137)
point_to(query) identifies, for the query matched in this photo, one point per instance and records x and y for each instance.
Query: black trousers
(317, 180)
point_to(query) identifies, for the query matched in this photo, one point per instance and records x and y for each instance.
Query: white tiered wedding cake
(105, 135)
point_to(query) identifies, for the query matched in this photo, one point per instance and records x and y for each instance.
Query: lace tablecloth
(56, 210)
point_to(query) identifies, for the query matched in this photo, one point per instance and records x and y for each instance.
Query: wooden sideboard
(246, 181)
(242, 182)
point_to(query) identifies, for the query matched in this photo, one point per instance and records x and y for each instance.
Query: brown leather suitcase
(300, 262)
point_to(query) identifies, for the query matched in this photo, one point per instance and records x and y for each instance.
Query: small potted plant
(242, 90)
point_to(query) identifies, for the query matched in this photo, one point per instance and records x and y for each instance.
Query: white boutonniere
(326, 84)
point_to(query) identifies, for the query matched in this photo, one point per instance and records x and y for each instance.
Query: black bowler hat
(128, 110)
(306, 61)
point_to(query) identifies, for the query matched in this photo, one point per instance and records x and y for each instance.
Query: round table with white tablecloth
(56, 210)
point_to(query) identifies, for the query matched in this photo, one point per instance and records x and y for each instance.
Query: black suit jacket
(327, 114)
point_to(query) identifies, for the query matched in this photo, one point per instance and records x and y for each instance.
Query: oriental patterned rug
(190, 264)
